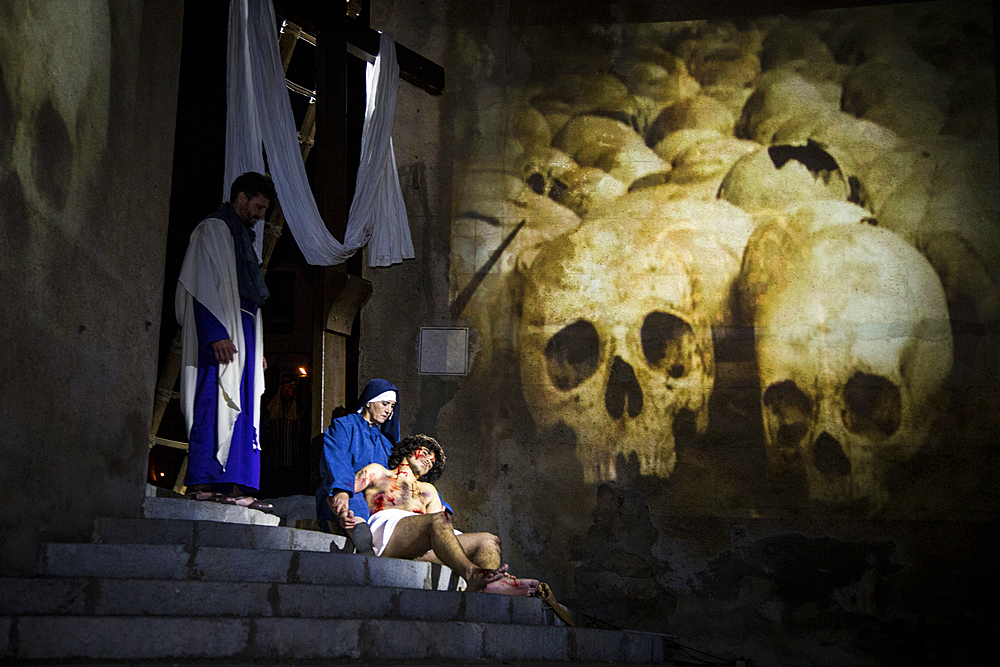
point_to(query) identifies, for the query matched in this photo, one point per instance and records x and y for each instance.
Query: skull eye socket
(874, 405)
(536, 182)
(52, 156)
(573, 355)
(663, 337)
(791, 407)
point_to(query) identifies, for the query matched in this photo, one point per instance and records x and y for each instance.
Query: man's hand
(348, 520)
(340, 506)
(223, 350)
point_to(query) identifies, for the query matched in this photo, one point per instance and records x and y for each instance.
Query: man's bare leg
(483, 549)
(414, 536)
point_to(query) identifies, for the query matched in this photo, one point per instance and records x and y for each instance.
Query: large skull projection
(55, 59)
(854, 346)
(616, 336)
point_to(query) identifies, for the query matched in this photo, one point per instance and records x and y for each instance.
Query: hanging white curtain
(259, 112)
(378, 200)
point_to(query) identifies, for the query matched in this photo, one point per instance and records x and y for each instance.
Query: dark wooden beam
(414, 68)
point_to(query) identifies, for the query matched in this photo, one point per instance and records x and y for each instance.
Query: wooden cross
(343, 294)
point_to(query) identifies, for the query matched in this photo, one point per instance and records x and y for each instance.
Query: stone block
(443, 579)
(483, 608)
(311, 540)
(273, 537)
(6, 650)
(429, 605)
(639, 647)
(598, 645)
(525, 642)
(308, 600)
(221, 564)
(114, 530)
(128, 597)
(139, 561)
(399, 573)
(42, 596)
(129, 638)
(331, 568)
(306, 638)
(421, 640)
(227, 535)
(527, 611)
(182, 508)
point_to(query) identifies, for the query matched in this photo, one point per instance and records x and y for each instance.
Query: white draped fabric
(259, 112)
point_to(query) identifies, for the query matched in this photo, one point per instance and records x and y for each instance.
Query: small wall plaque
(443, 351)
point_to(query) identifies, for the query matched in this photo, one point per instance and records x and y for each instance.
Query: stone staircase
(224, 586)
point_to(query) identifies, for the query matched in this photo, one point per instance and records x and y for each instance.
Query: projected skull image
(55, 119)
(616, 333)
(781, 232)
(853, 346)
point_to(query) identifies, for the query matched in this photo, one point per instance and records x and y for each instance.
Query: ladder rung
(156, 440)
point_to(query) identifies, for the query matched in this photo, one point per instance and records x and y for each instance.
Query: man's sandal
(245, 501)
(204, 495)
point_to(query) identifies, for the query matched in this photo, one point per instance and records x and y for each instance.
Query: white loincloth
(382, 524)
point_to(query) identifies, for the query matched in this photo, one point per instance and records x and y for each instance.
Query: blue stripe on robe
(243, 464)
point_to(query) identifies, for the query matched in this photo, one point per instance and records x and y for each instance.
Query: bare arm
(433, 504)
(364, 477)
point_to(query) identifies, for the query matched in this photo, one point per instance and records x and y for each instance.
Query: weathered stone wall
(86, 141)
(861, 533)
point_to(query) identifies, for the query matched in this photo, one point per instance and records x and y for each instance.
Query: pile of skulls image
(830, 181)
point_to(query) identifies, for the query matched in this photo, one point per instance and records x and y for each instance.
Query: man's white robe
(208, 274)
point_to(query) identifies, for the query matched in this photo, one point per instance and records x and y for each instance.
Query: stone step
(130, 638)
(184, 562)
(201, 533)
(78, 596)
(182, 508)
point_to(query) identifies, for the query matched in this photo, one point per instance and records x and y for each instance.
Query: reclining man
(408, 520)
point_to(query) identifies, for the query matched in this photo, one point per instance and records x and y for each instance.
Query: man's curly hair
(412, 443)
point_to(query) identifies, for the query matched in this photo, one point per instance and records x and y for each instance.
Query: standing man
(219, 295)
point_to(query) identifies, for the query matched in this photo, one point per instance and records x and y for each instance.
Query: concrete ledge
(306, 639)
(522, 642)
(138, 561)
(182, 508)
(167, 561)
(62, 638)
(128, 638)
(415, 640)
(144, 597)
(213, 534)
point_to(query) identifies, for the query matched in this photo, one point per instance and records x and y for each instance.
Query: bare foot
(511, 585)
(479, 578)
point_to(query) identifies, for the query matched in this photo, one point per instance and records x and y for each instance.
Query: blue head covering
(390, 429)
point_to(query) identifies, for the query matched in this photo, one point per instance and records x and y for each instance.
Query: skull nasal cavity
(829, 457)
(666, 339)
(792, 409)
(572, 355)
(623, 391)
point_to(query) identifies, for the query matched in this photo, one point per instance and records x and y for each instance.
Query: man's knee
(442, 520)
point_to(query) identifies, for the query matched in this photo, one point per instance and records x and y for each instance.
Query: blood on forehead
(423, 453)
